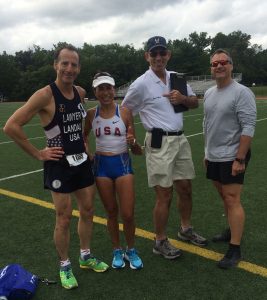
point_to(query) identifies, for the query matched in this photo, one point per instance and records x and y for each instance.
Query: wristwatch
(240, 160)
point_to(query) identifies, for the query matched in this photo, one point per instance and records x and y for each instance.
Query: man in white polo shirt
(168, 154)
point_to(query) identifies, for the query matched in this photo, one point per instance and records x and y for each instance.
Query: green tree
(26, 71)
(9, 75)
(200, 41)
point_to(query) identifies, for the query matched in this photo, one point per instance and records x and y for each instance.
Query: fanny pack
(156, 138)
(158, 133)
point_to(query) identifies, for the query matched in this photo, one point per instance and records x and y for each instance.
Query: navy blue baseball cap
(156, 42)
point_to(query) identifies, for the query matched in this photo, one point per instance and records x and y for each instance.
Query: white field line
(28, 173)
(189, 116)
(34, 138)
(19, 175)
(259, 120)
(23, 174)
(27, 125)
(137, 123)
(195, 134)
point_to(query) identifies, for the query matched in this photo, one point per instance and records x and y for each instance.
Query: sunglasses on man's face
(156, 53)
(221, 62)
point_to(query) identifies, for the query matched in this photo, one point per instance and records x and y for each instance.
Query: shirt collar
(156, 78)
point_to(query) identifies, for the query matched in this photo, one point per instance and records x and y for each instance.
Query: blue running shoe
(118, 262)
(132, 257)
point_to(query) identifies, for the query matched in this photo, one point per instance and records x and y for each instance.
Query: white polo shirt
(145, 96)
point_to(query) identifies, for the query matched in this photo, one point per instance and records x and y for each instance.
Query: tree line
(26, 71)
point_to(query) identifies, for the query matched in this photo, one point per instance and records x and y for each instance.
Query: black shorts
(222, 171)
(60, 177)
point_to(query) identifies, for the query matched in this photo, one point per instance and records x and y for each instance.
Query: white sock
(158, 242)
(185, 228)
(85, 253)
(64, 263)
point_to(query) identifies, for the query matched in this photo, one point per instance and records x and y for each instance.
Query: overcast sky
(24, 23)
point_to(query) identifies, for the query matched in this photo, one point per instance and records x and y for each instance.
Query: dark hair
(219, 51)
(68, 47)
(99, 74)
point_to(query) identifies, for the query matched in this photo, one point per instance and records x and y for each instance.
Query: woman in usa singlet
(114, 133)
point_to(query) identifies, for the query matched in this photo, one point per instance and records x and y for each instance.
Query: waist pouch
(156, 138)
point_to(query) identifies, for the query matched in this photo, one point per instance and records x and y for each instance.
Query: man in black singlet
(67, 168)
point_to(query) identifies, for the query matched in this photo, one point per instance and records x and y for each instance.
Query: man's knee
(163, 194)
(184, 188)
(232, 201)
(63, 219)
(231, 196)
(86, 211)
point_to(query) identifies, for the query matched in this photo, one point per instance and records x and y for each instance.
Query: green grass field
(260, 91)
(27, 222)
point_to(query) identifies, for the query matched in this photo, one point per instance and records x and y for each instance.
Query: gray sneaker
(189, 235)
(166, 249)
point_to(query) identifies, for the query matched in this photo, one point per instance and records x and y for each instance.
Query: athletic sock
(65, 264)
(85, 254)
(184, 229)
(233, 249)
(158, 242)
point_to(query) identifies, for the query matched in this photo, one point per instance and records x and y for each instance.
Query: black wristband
(240, 160)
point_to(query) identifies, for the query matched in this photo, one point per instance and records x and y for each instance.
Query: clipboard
(178, 82)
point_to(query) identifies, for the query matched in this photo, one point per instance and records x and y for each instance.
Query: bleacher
(199, 84)
(122, 90)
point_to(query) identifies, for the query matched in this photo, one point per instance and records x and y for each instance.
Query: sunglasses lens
(155, 53)
(221, 62)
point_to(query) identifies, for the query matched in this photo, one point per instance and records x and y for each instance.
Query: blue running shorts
(112, 166)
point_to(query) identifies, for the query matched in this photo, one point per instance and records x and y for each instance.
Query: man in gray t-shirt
(229, 125)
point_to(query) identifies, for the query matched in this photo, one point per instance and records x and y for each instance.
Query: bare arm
(176, 97)
(190, 101)
(244, 146)
(81, 92)
(130, 137)
(87, 129)
(14, 126)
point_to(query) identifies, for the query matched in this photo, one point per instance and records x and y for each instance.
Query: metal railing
(199, 84)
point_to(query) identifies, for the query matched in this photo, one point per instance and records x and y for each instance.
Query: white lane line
(194, 134)
(27, 125)
(19, 175)
(189, 116)
(38, 137)
(259, 120)
(36, 171)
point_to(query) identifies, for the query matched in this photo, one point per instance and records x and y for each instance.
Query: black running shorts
(222, 172)
(60, 177)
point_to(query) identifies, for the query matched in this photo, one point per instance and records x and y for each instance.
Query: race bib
(76, 159)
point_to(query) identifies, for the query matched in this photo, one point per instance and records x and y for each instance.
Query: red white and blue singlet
(110, 133)
(111, 137)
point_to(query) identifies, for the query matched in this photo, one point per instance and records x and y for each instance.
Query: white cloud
(24, 23)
